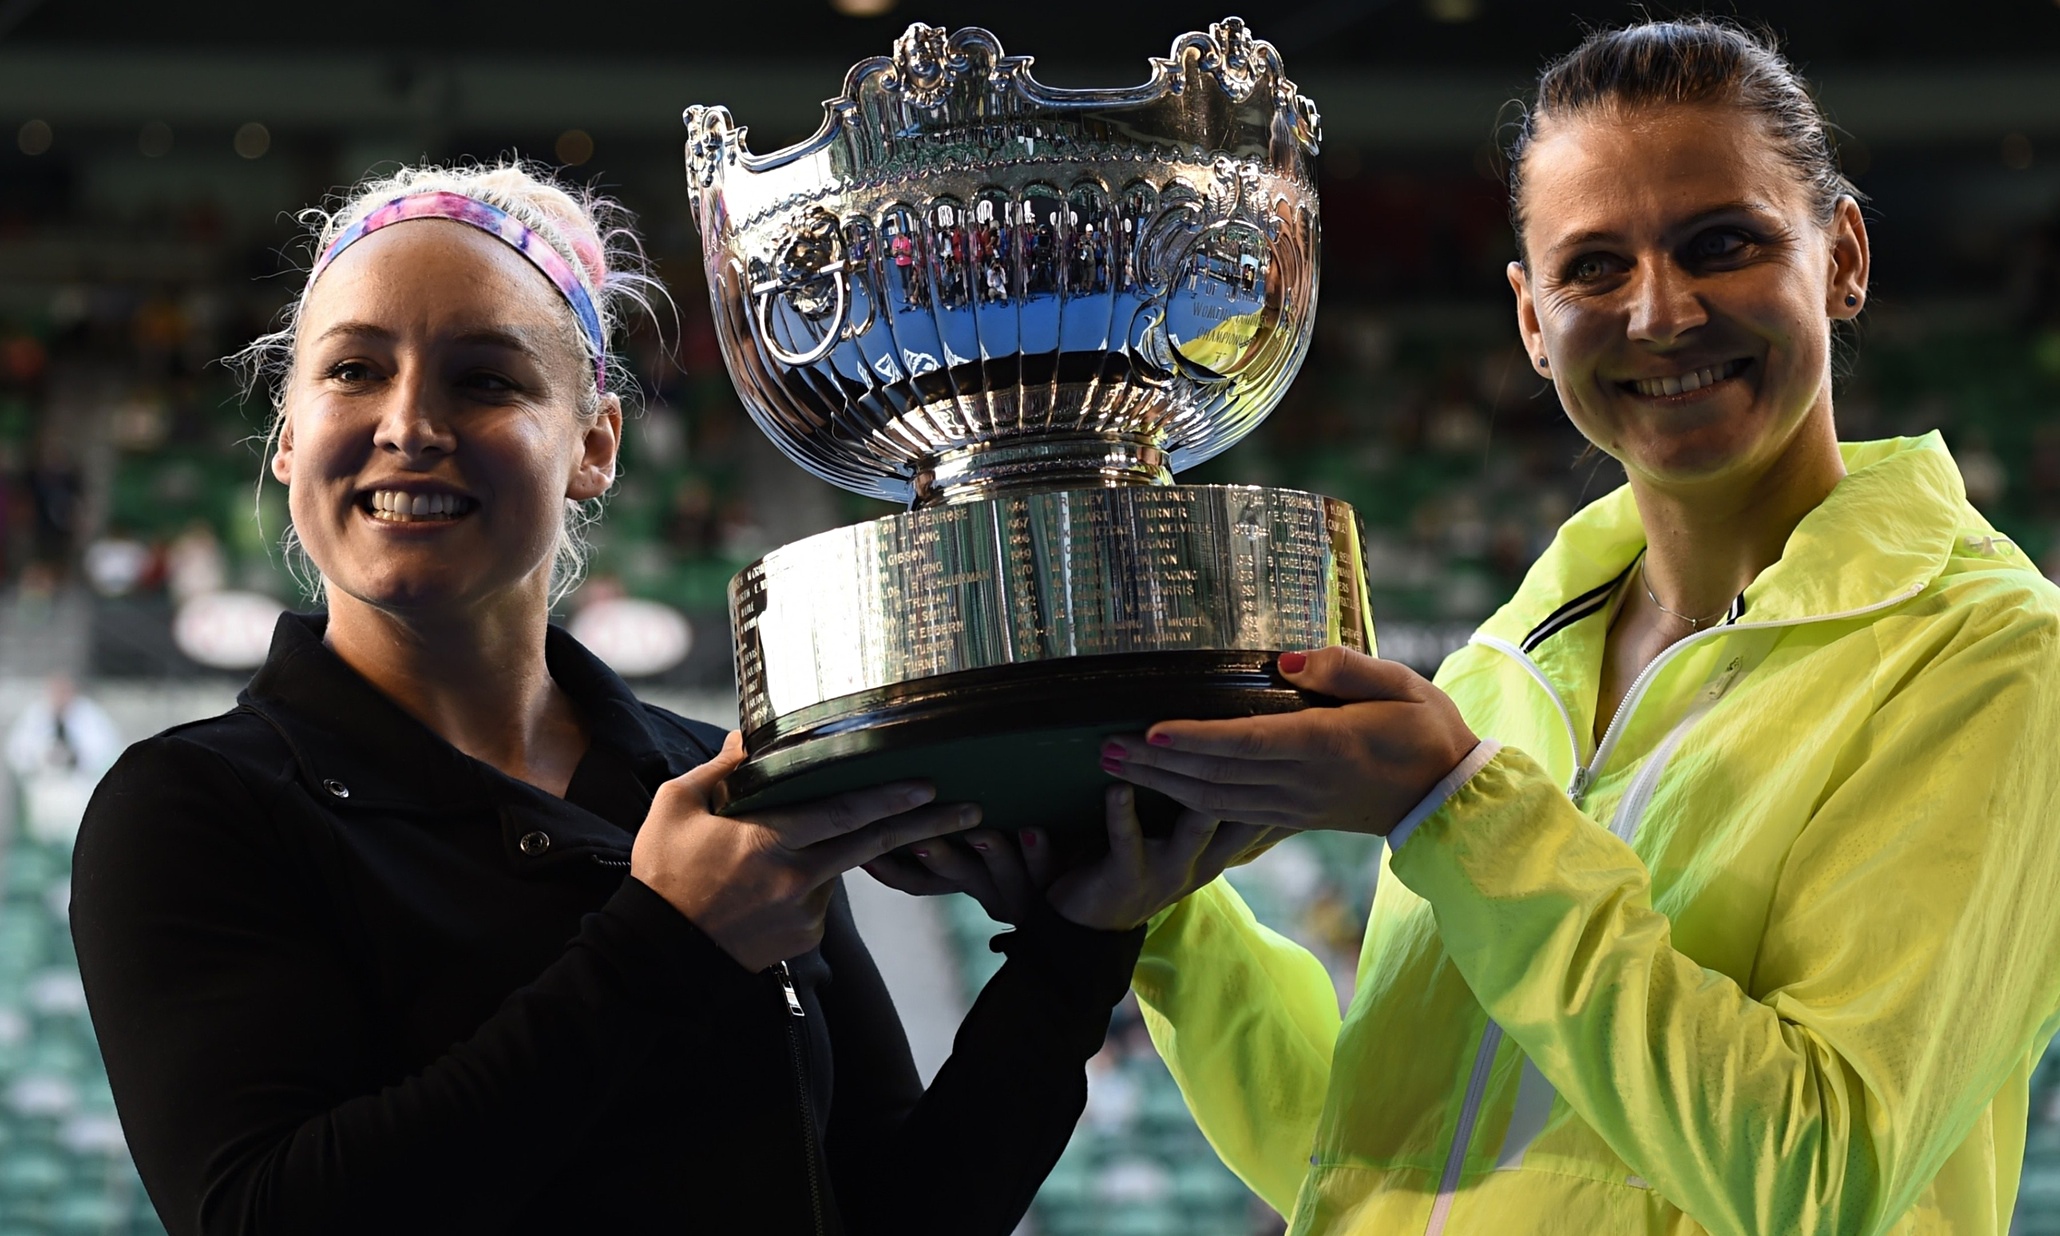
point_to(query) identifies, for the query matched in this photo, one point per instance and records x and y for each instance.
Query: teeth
(398, 506)
(1684, 383)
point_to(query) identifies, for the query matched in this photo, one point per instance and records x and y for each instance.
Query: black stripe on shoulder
(1573, 611)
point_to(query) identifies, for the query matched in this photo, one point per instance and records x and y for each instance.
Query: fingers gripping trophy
(1021, 310)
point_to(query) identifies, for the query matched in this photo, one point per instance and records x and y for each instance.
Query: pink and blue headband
(495, 222)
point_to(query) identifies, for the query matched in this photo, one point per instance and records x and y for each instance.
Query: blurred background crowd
(151, 158)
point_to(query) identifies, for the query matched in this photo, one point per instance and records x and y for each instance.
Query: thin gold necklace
(1694, 624)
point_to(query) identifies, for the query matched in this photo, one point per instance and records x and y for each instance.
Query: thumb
(1350, 676)
(702, 780)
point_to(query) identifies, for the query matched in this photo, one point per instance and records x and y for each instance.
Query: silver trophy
(1020, 310)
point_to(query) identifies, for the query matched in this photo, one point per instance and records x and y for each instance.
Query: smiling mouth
(396, 506)
(1685, 383)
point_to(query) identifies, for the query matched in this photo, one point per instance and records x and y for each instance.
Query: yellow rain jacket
(1776, 956)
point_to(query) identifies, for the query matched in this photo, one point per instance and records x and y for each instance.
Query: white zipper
(1573, 736)
(1584, 775)
(1638, 795)
(1462, 1133)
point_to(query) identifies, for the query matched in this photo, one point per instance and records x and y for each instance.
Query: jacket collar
(1886, 531)
(344, 731)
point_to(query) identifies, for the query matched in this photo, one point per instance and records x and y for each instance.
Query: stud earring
(1544, 363)
(1851, 300)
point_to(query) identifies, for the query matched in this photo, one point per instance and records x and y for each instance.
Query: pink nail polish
(1111, 765)
(1293, 662)
(1160, 740)
(1113, 750)
(920, 853)
(980, 846)
(1028, 838)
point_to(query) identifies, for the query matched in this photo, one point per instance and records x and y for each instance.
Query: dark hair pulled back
(1694, 60)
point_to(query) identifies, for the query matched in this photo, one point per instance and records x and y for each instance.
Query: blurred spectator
(64, 732)
(195, 564)
(118, 564)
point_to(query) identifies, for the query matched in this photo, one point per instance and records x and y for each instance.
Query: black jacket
(348, 979)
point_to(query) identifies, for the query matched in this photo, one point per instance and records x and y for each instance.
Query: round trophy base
(1023, 741)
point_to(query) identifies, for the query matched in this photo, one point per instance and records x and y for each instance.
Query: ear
(1849, 262)
(599, 445)
(1527, 317)
(282, 452)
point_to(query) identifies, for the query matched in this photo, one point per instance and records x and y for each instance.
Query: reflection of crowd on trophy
(991, 250)
(906, 256)
(973, 254)
(1040, 248)
(946, 252)
(1090, 269)
(1241, 271)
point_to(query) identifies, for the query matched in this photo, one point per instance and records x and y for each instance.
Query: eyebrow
(1700, 217)
(354, 330)
(511, 339)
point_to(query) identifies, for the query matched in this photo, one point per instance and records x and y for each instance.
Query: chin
(403, 594)
(1688, 466)
(1698, 454)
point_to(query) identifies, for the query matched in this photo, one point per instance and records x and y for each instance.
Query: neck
(476, 678)
(1707, 541)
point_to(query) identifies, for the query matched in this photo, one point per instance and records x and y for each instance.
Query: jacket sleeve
(1246, 1020)
(1910, 961)
(238, 1038)
(966, 1157)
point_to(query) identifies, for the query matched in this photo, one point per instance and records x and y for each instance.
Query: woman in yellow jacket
(1723, 889)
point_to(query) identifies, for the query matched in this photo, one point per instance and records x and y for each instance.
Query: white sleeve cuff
(1475, 760)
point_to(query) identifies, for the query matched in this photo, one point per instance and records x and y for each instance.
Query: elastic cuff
(1475, 760)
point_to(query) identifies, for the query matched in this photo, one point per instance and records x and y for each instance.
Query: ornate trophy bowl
(1020, 309)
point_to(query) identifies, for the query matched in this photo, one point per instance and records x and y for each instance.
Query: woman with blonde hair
(441, 929)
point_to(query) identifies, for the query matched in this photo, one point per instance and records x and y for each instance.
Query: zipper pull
(1724, 680)
(1580, 784)
(786, 978)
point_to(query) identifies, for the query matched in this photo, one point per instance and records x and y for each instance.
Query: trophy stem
(986, 470)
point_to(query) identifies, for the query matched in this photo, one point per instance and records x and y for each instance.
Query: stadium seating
(63, 1165)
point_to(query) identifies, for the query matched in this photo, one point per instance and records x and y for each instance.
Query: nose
(414, 423)
(1664, 304)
